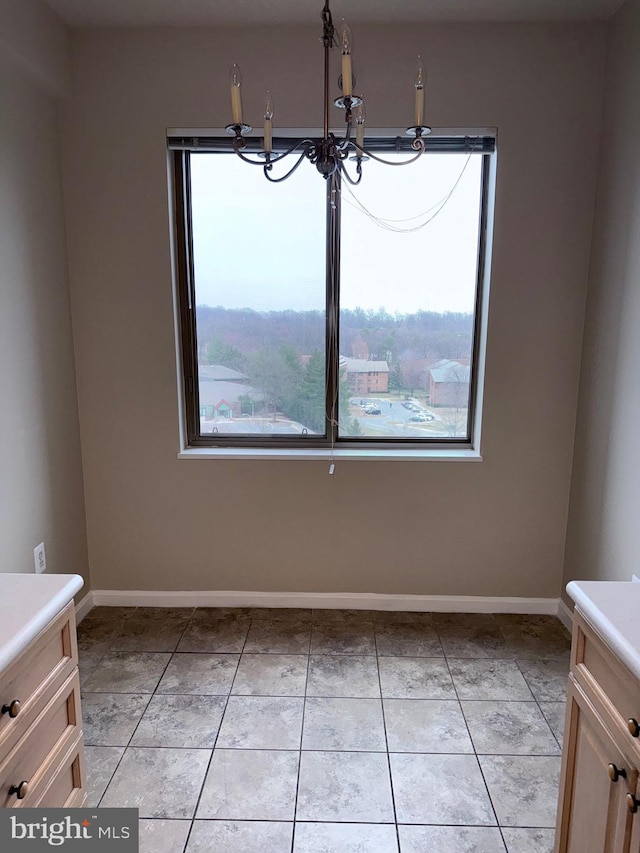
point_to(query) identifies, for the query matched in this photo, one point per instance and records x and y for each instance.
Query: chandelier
(329, 155)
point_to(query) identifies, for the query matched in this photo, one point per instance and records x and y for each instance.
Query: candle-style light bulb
(236, 100)
(268, 115)
(360, 121)
(419, 84)
(345, 45)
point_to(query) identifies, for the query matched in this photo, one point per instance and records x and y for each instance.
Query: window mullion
(333, 306)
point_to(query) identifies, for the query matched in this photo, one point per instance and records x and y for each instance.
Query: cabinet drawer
(605, 679)
(58, 723)
(35, 676)
(66, 786)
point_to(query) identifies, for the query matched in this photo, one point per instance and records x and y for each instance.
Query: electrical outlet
(40, 558)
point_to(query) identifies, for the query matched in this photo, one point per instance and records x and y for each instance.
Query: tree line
(229, 336)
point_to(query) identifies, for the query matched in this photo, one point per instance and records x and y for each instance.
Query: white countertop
(27, 604)
(613, 608)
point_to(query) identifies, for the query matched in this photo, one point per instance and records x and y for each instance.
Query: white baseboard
(565, 615)
(349, 600)
(84, 606)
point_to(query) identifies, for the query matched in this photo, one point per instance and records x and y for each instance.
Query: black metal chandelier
(329, 155)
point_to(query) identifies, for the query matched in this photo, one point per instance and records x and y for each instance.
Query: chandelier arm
(343, 143)
(366, 153)
(269, 166)
(308, 144)
(345, 174)
(246, 159)
(341, 148)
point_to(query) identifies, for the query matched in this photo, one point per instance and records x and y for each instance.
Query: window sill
(351, 455)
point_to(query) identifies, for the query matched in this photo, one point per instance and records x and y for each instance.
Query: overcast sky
(262, 246)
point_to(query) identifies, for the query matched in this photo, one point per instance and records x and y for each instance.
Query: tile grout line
(151, 695)
(155, 689)
(514, 659)
(124, 751)
(304, 709)
(535, 699)
(475, 753)
(188, 622)
(386, 740)
(504, 842)
(213, 749)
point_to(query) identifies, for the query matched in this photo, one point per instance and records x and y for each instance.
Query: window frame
(180, 146)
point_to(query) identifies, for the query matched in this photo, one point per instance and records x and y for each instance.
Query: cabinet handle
(632, 803)
(615, 772)
(22, 790)
(634, 727)
(12, 709)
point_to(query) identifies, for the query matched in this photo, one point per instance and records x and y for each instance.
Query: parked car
(370, 410)
(423, 417)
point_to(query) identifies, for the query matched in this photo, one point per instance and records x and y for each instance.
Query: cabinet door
(594, 816)
(634, 847)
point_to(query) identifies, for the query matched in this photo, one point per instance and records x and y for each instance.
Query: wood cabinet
(599, 788)
(41, 746)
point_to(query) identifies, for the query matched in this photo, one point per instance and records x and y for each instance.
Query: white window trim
(326, 454)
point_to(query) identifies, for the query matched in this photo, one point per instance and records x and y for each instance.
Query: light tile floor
(249, 730)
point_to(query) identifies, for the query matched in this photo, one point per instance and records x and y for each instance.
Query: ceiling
(130, 13)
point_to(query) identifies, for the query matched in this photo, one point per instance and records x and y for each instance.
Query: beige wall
(34, 39)
(495, 528)
(41, 488)
(602, 539)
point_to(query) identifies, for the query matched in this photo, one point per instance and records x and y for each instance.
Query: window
(315, 314)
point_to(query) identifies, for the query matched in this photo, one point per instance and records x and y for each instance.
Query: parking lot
(394, 419)
(397, 419)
